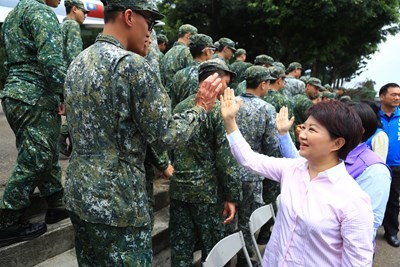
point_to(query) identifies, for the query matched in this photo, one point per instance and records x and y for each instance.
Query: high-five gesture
(229, 109)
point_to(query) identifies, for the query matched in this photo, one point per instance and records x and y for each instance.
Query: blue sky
(384, 65)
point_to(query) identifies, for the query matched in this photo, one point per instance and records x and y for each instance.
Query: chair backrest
(261, 216)
(225, 250)
(258, 218)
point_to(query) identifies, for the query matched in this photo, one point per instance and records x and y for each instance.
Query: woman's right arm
(269, 167)
(261, 164)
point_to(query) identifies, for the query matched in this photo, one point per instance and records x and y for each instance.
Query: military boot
(14, 228)
(55, 208)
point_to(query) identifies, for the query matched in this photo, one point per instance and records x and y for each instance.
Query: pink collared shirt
(324, 222)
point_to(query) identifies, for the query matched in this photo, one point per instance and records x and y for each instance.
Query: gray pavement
(386, 256)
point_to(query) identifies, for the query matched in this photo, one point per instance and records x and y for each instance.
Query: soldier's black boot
(62, 143)
(13, 228)
(55, 208)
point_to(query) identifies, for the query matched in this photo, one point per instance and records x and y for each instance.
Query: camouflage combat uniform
(301, 103)
(240, 88)
(73, 45)
(256, 121)
(293, 87)
(72, 41)
(153, 159)
(218, 56)
(113, 116)
(153, 55)
(238, 67)
(32, 94)
(184, 84)
(177, 58)
(206, 175)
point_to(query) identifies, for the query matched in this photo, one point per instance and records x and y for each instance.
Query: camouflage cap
(276, 72)
(145, 5)
(258, 73)
(328, 95)
(292, 66)
(345, 98)
(279, 64)
(304, 79)
(187, 28)
(316, 82)
(227, 42)
(240, 52)
(201, 40)
(215, 64)
(263, 59)
(162, 38)
(77, 3)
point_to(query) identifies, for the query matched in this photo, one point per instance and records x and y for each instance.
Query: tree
(332, 38)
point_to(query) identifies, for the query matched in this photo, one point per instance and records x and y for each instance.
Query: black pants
(391, 219)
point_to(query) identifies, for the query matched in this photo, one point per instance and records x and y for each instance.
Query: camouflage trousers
(271, 190)
(36, 130)
(244, 210)
(105, 245)
(191, 223)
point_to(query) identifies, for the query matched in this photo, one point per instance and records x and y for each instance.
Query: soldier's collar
(109, 39)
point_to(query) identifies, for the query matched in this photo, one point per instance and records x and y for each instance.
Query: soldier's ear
(128, 16)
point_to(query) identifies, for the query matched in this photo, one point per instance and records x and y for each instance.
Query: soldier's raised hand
(208, 91)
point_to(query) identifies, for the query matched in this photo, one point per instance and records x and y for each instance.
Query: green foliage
(364, 91)
(332, 38)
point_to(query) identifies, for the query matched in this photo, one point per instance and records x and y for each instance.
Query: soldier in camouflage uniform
(31, 101)
(162, 42)
(256, 121)
(186, 81)
(264, 60)
(239, 67)
(178, 57)
(76, 13)
(260, 60)
(240, 55)
(301, 102)
(225, 49)
(73, 45)
(293, 86)
(280, 65)
(206, 181)
(116, 108)
(275, 96)
(328, 96)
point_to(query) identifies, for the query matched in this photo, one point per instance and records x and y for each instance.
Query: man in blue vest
(390, 118)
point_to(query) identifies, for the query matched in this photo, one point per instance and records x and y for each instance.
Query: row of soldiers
(202, 169)
(120, 119)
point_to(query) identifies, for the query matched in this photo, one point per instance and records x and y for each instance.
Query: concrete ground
(385, 256)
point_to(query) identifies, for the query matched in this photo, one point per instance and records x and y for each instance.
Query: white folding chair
(225, 250)
(258, 218)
